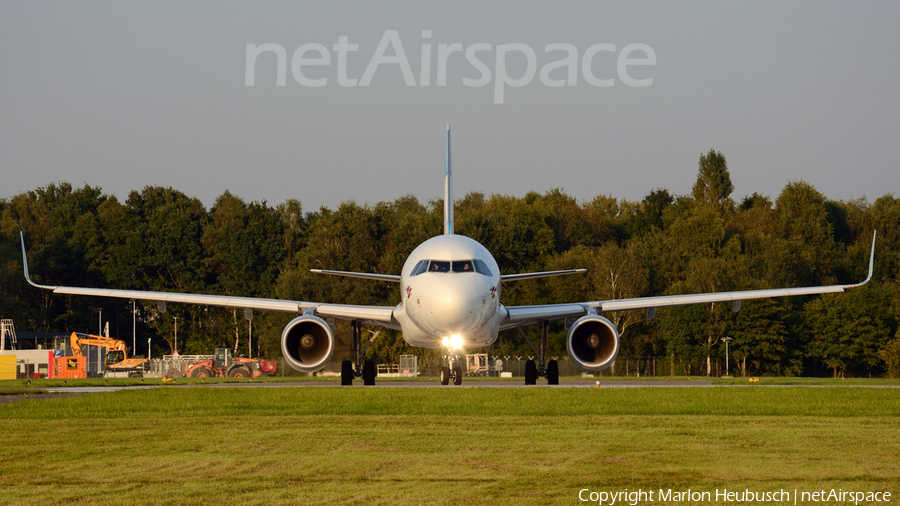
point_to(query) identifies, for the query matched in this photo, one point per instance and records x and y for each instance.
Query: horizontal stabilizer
(362, 275)
(532, 275)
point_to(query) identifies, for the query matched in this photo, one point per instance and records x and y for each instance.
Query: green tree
(890, 353)
(683, 330)
(59, 223)
(803, 218)
(613, 272)
(761, 340)
(846, 330)
(170, 255)
(713, 185)
(409, 225)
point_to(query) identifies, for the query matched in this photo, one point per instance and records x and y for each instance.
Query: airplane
(450, 288)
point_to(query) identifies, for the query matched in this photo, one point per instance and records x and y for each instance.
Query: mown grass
(192, 402)
(63, 383)
(176, 445)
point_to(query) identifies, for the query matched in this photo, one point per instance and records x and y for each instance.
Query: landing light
(454, 342)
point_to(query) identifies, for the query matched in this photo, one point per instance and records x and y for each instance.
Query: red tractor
(224, 365)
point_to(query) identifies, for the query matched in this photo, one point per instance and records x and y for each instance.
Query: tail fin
(448, 191)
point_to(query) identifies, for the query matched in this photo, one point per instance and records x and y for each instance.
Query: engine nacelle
(593, 343)
(307, 343)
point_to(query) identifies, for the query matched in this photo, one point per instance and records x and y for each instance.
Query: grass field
(15, 385)
(295, 446)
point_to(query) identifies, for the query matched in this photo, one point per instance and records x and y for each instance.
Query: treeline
(162, 239)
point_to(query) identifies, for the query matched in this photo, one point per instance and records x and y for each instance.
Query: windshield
(464, 266)
(438, 266)
(457, 266)
(114, 357)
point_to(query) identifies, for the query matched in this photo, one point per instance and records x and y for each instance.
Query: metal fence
(407, 367)
(485, 365)
(649, 366)
(173, 365)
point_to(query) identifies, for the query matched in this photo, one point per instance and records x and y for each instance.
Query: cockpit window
(463, 266)
(420, 267)
(481, 267)
(460, 266)
(438, 266)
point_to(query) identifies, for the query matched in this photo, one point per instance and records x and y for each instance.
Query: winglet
(871, 264)
(448, 191)
(25, 264)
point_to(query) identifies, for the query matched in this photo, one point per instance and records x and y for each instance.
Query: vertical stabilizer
(448, 191)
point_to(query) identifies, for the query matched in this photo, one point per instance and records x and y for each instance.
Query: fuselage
(450, 289)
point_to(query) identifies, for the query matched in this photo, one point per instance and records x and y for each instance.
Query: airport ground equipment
(116, 362)
(7, 335)
(223, 364)
(477, 364)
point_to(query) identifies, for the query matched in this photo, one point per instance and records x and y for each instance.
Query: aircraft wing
(706, 298)
(517, 316)
(526, 315)
(379, 315)
(652, 303)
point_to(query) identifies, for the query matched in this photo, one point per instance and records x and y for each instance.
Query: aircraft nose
(453, 312)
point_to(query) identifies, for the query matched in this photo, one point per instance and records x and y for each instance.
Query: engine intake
(307, 343)
(593, 343)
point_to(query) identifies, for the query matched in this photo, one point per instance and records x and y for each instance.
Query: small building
(31, 363)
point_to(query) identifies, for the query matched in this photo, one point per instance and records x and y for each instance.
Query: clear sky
(127, 94)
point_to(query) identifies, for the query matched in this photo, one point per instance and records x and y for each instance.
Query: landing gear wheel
(369, 372)
(457, 375)
(346, 373)
(135, 374)
(445, 376)
(553, 372)
(530, 373)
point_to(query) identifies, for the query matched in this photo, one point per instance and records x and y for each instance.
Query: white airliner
(450, 290)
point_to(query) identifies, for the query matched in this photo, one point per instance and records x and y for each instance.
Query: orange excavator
(116, 361)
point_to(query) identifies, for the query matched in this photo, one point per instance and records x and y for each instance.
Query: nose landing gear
(452, 371)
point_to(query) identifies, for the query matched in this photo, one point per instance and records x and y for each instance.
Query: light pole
(90, 353)
(727, 340)
(176, 334)
(133, 327)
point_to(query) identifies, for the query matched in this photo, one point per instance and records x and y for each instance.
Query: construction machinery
(116, 363)
(223, 364)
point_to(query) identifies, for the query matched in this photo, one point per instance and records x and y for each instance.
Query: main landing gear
(357, 368)
(542, 368)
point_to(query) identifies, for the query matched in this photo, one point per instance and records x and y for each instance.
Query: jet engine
(593, 343)
(307, 343)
